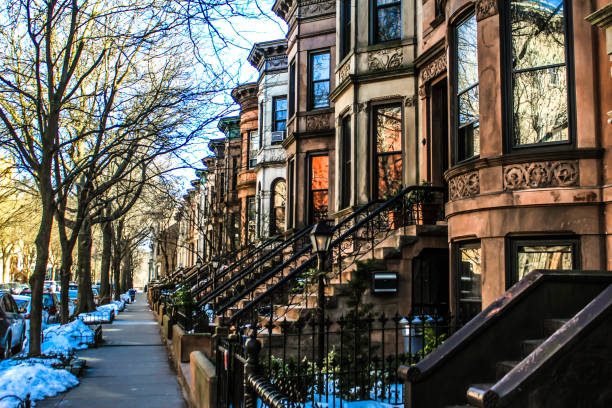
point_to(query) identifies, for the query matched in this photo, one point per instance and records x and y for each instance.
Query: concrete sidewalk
(130, 369)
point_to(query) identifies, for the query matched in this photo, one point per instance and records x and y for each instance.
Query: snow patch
(34, 377)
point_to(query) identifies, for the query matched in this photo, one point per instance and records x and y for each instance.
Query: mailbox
(384, 282)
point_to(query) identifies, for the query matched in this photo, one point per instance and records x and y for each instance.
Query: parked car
(12, 326)
(96, 296)
(51, 304)
(12, 287)
(52, 285)
(24, 305)
(71, 304)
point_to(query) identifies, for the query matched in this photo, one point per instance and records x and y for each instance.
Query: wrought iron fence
(357, 360)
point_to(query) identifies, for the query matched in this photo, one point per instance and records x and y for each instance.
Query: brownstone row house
(495, 102)
(464, 144)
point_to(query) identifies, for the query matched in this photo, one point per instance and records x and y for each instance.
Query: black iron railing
(354, 237)
(361, 359)
(254, 269)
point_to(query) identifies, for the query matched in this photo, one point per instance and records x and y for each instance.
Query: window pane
(544, 257)
(389, 174)
(389, 129)
(538, 36)
(281, 109)
(320, 97)
(251, 217)
(388, 21)
(469, 281)
(320, 172)
(468, 106)
(468, 139)
(540, 112)
(319, 205)
(467, 56)
(278, 204)
(320, 66)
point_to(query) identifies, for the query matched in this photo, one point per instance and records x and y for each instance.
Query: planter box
(184, 344)
(203, 381)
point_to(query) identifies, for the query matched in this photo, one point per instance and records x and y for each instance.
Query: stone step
(552, 325)
(504, 367)
(528, 346)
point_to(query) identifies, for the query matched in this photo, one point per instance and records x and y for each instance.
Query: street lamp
(320, 237)
(214, 262)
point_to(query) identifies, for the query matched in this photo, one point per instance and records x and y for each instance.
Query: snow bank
(63, 340)
(126, 297)
(32, 376)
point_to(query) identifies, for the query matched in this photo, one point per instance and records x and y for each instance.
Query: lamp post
(214, 262)
(320, 236)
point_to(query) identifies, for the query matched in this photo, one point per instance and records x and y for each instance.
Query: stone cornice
(486, 8)
(245, 94)
(602, 18)
(274, 52)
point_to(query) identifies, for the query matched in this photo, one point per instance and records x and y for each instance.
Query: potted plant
(422, 204)
(396, 210)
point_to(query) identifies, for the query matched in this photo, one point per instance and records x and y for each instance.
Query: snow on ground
(64, 340)
(33, 376)
(126, 297)
(105, 313)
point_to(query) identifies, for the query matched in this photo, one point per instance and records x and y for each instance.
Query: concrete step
(528, 346)
(552, 325)
(504, 367)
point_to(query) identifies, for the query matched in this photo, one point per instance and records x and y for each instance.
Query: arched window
(278, 201)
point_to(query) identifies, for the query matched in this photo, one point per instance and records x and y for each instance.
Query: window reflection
(388, 18)
(320, 74)
(319, 185)
(467, 141)
(532, 257)
(539, 72)
(279, 197)
(280, 114)
(253, 148)
(469, 281)
(251, 218)
(388, 133)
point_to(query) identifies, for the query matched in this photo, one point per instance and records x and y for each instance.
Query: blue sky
(243, 32)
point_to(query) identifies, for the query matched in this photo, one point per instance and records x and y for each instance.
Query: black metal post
(253, 347)
(321, 307)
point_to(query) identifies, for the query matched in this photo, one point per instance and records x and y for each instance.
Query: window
(234, 172)
(261, 123)
(253, 148)
(467, 130)
(278, 199)
(291, 178)
(386, 20)
(292, 81)
(539, 72)
(469, 278)
(251, 218)
(320, 64)
(388, 154)
(345, 163)
(319, 186)
(345, 28)
(530, 254)
(279, 114)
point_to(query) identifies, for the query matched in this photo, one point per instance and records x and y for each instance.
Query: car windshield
(73, 294)
(22, 305)
(47, 300)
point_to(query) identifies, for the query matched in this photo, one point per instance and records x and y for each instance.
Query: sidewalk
(130, 369)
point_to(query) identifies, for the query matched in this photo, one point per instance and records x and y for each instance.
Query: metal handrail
(257, 263)
(334, 243)
(282, 266)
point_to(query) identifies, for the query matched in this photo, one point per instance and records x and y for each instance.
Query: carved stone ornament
(411, 100)
(385, 59)
(363, 107)
(486, 8)
(464, 185)
(344, 72)
(317, 122)
(541, 174)
(430, 71)
(317, 7)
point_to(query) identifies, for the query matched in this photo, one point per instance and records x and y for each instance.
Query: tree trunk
(107, 240)
(43, 238)
(117, 255)
(125, 271)
(65, 282)
(85, 302)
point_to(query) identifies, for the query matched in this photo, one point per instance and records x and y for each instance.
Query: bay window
(319, 69)
(386, 20)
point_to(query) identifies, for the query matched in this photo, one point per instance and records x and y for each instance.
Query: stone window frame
(507, 95)
(311, 55)
(345, 41)
(275, 122)
(373, 105)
